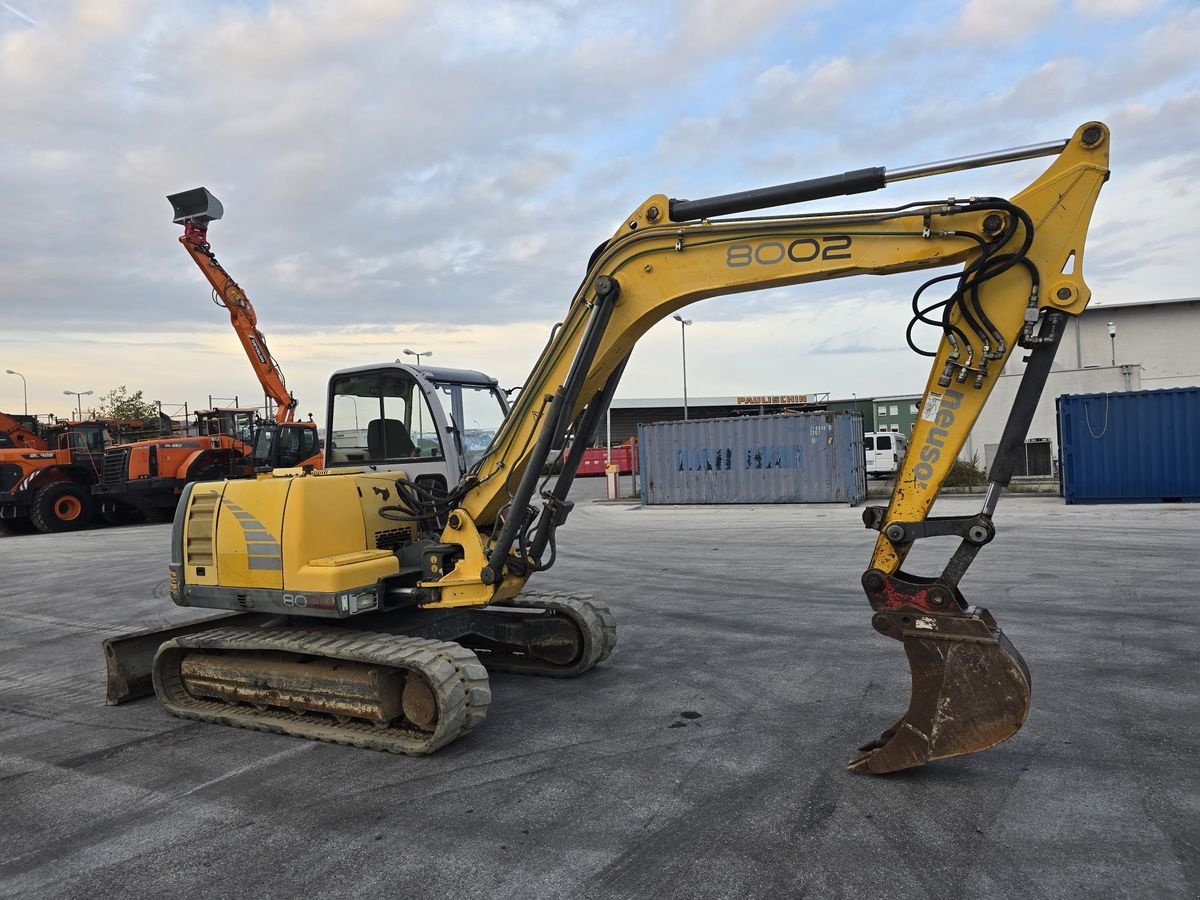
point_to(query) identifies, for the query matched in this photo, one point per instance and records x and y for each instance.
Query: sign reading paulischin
(772, 399)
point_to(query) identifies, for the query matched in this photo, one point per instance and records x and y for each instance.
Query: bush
(966, 473)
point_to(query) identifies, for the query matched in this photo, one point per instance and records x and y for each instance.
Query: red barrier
(624, 456)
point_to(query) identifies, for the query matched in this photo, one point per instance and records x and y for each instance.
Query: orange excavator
(230, 443)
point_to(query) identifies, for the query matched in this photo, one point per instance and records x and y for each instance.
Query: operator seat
(391, 436)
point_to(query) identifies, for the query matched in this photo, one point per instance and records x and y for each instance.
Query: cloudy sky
(434, 175)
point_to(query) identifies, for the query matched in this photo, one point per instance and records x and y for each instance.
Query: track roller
(581, 634)
(376, 691)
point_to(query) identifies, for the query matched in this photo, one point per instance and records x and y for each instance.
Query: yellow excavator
(367, 609)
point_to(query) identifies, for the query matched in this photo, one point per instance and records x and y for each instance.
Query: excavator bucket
(970, 691)
(197, 206)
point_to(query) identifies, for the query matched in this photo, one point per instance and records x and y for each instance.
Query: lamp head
(1112, 329)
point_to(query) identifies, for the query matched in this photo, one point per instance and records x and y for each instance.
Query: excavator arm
(194, 209)
(1021, 276)
(971, 688)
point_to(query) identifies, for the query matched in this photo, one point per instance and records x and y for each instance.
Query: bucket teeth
(970, 691)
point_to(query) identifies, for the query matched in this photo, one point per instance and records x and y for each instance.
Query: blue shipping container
(1130, 447)
(810, 457)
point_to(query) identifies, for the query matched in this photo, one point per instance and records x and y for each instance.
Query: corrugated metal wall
(788, 458)
(1130, 447)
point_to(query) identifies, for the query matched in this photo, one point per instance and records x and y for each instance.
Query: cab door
(381, 419)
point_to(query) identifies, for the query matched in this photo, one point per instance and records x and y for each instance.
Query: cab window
(238, 424)
(476, 412)
(89, 439)
(285, 446)
(380, 417)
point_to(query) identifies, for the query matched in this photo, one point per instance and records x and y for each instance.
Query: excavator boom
(654, 266)
(452, 564)
(194, 209)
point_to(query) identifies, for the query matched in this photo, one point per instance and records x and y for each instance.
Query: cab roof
(433, 373)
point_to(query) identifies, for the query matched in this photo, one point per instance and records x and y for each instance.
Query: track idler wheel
(419, 702)
(970, 689)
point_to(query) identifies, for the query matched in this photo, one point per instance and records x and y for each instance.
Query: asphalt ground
(706, 758)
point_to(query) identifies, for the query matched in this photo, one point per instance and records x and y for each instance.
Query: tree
(119, 403)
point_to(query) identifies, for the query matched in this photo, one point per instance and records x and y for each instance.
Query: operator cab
(284, 446)
(238, 423)
(431, 422)
(79, 437)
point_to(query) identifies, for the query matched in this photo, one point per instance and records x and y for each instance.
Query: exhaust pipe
(195, 207)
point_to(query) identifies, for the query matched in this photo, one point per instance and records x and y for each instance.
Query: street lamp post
(683, 324)
(1112, 337)
(420, 415)
(24, 388)
(78, 395)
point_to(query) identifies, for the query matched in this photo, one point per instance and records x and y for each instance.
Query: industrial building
(890, 413)
(1110, 348)
(626, 415)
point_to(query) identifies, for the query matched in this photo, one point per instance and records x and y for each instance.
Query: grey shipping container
(810, 457)
(1130, 447)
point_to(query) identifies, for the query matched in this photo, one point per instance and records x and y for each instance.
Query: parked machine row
(47, 472)
(67, 476)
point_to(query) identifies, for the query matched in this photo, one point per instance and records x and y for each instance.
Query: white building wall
(1154, 347)
(1160, 337)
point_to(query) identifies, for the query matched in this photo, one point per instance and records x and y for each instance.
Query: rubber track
(593, 619)
(459, 680)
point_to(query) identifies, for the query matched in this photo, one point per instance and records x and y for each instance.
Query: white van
(884, 450)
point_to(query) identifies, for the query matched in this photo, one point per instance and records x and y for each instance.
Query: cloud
(986, 20)
(420, 170)
(1114, 8)
(713, 26)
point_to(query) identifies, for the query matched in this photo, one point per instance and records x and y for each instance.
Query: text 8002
(801, 250)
